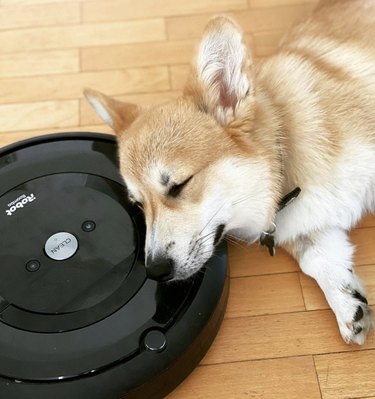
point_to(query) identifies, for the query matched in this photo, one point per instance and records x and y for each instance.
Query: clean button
(61, 246)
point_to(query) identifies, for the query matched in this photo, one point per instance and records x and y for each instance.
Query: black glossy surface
(100, 266)
(94, 322)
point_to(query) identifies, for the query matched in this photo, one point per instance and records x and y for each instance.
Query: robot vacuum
(78, 316)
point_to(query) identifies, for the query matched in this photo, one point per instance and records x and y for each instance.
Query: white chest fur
(337, 202)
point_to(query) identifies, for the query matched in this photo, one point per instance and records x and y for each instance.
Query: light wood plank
(266, 43)
(29, 2)
(346, 375)
(253, 20)
(278, 293)
(68, 86)
(367, 221)
(179, 75)
(60, 37)
(39, 15)
(38, 115)
(273, 3)
(364, 240)
(314, 297)
(113, 10)
(254, 260)
(281, 335)
(291, 378)
(312, 294)
(144, 54)
(89, 116)
(39, 63)
(180, 28)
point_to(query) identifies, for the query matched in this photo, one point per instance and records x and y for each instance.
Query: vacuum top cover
(76, 309)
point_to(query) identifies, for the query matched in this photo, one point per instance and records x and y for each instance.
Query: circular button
(61, 246)
(155, 341)
(88, 226)
(32, 265)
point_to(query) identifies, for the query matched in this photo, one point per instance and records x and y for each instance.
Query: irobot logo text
(18, 203)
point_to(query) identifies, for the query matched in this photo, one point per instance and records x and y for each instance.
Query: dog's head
(198, 167)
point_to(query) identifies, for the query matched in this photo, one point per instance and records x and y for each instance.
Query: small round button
(88, 226)
(155, 341)
(61, 246)
(32, 265)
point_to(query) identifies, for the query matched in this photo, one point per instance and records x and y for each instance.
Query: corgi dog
(243, 134)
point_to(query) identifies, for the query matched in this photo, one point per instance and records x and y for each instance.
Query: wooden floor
(278, 339)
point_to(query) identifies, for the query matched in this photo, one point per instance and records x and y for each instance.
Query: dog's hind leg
(327, 257)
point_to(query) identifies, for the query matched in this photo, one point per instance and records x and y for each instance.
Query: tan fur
(121, 114)
(243, 134)
(302, 99)
(342, 94)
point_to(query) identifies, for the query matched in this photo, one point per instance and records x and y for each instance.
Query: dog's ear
(220, 79)
(118, 115)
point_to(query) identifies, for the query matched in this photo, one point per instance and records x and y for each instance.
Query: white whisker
(220, 208)
(243, 199)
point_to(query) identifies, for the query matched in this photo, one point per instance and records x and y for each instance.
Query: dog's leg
(327, 257)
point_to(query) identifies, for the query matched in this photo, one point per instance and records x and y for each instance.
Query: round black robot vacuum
(78, 316)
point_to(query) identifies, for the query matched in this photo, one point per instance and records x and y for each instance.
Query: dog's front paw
(353, 316)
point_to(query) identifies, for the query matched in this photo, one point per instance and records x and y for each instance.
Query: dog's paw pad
(354, 317)
(358, 314)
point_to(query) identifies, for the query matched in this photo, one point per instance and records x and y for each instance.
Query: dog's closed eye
(175, 190)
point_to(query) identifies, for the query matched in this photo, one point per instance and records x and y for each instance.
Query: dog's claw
(360, 297)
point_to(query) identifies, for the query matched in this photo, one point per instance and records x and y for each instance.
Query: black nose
(160, 269)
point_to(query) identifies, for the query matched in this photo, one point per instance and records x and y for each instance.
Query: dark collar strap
(287, 199)
(266, 238)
